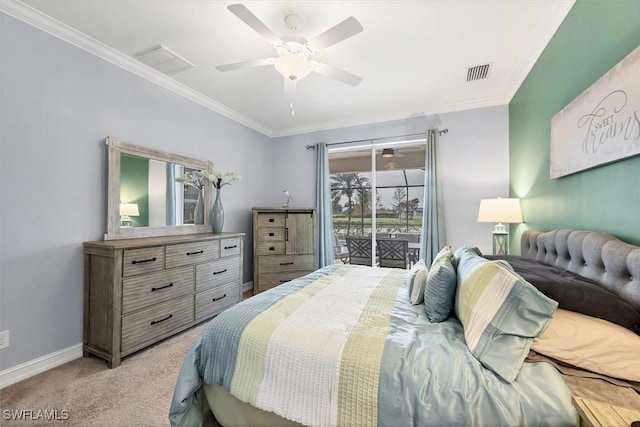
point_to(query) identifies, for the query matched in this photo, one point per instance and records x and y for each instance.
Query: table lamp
(127, 210)
(500, 210)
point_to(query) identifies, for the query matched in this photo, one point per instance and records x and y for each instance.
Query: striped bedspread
(343, 346)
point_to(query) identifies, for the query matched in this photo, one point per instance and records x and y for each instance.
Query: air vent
(164, 60)
(478, 72)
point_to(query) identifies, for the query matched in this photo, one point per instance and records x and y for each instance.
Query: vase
(198, 212)
(217, 214)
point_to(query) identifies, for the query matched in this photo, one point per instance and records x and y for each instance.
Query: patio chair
(393, 253)
(360, 250)
(341, 252)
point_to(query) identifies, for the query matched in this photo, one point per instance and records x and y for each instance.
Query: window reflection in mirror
(150, 195)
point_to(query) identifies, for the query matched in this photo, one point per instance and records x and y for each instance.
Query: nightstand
(594, 413)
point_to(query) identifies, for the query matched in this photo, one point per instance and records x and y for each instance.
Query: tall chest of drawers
(140, 291)
(284, 245)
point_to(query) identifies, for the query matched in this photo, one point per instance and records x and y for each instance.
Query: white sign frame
(600, 126)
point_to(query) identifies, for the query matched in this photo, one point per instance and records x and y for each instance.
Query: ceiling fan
(295, 53)
(391, 152)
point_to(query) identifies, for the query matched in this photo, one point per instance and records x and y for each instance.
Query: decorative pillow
(416, 279)
(465, 250)
(441, 288)
(501, 314)
(592, 344)
(574, 292)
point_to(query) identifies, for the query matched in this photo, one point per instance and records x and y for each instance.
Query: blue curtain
(323, 205)
(433, 217)
(171, 194)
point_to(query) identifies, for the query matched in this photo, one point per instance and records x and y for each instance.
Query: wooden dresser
(284, 245)
(139, 291)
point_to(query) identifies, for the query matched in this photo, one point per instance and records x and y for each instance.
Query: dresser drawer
(271, 280)
(214, 300)
(219, 272)
(156, 320)
(192, 253)
(270, 234)
(142, 291)
(269, 219)
(270, 248)
(145, 260)
(230, 247)
(280, 263)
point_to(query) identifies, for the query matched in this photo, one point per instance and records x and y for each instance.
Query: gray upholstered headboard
(612, 263)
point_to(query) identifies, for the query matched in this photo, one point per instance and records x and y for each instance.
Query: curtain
(323, 205)
(171, 194)
(432, 239)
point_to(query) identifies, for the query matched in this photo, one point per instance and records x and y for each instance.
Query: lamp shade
(130, 209)
(292, 66)
(500, 210)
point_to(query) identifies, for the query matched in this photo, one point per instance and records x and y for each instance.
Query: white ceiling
(412, 55)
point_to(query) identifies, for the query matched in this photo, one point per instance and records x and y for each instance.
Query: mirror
(148, 195)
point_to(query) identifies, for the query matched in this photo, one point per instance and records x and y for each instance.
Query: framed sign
(601, 125)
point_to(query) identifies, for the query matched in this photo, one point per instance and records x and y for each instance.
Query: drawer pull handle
(283, 281)
(218, 299)
(143, 260)
(195, 253)
(154, 322)
(272, 220)
(272, 248)
(272, 234)
(231, 247)
(219, 272)
(286, 234)
(286, 263)
(162, 287)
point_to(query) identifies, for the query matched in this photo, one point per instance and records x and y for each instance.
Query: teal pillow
(441, 287)
(415, 280)
(501, 314)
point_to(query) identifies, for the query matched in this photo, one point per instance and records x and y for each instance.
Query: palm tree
(345, 184)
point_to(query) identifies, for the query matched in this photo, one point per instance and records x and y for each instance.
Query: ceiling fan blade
(289, 88)
(337, 73)
(347, 28)
(251, 20)
(246, 64)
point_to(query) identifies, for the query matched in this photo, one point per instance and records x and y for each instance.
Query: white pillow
(416, 280)
(592, 344)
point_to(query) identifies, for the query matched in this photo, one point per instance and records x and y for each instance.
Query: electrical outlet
(4, 339)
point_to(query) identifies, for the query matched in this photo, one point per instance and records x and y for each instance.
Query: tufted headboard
(604, 259)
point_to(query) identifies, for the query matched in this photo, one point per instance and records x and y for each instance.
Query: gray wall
(474, 159)
(57, 104)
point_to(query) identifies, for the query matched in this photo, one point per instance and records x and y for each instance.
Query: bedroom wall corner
(593, 38)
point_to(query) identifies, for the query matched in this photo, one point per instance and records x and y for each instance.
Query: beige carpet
(137, 393)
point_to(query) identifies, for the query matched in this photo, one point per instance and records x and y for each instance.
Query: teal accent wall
(134, 186)
(595, 36)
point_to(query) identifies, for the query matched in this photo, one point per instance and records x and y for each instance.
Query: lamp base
(501, 242)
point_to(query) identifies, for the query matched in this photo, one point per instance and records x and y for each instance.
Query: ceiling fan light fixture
(293, 67)
(387, 152)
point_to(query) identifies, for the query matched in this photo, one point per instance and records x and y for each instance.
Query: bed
(454, 344)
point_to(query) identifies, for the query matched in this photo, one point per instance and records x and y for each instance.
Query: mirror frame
(114, 231)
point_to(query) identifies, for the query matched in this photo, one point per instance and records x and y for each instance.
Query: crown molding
(390, 116)
(35, 18)
(538, 46)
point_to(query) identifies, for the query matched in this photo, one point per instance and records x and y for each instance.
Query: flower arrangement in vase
(197, 180)
(219, 179)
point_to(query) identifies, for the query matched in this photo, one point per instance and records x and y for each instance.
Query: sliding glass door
(377, 189)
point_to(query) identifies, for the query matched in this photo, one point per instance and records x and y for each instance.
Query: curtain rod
(440, 132)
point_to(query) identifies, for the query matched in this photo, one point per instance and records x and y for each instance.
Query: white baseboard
(41, 364)
(247, 286)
